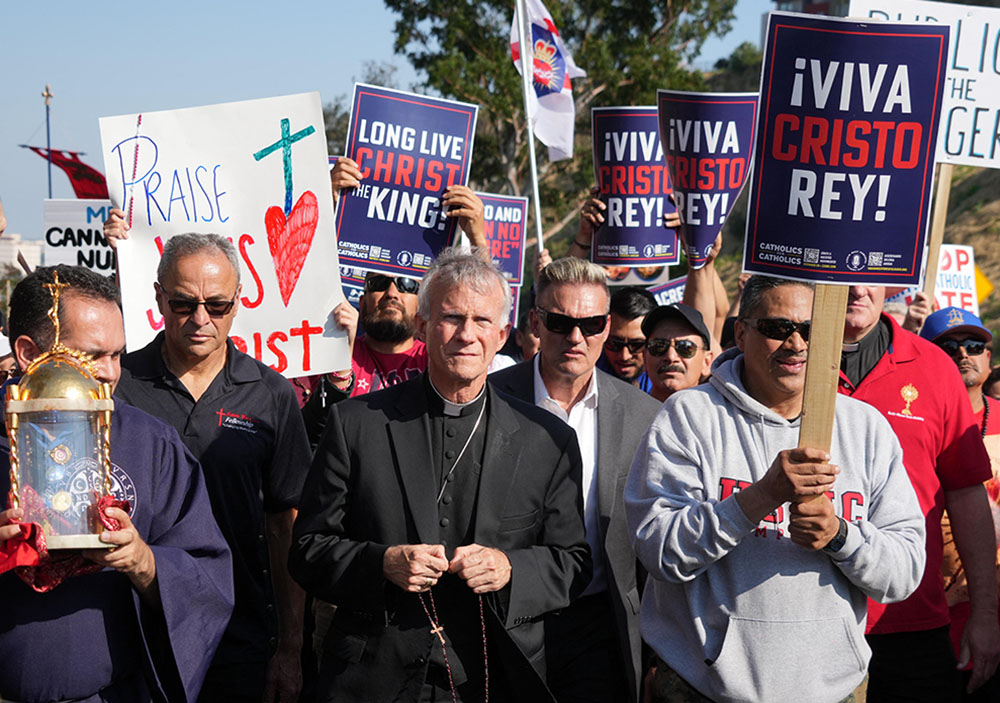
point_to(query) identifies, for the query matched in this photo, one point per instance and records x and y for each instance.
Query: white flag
(550, 104)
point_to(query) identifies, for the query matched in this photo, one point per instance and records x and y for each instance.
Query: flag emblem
(550, 68)
(550, 104)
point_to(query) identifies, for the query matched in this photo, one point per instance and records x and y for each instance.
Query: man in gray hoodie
(761, 555)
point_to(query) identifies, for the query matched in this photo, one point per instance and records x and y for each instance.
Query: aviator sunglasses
(973, 347)
(685, 348)
(187, 306)
(379, 283)
(564, 324)
(780, 328)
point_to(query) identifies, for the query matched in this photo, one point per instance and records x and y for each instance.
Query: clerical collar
(455, 409)
(859, 358)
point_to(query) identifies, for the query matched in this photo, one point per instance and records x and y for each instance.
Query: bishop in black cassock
(426, 496)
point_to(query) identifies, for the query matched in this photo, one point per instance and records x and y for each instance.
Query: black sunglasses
(685, 347)
(973, 347)
(633, 345)
(186, 306)
(378, 283)
(780, 328)
(564, 324)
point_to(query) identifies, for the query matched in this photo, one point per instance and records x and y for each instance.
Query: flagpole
(47, 94)
(527, 74)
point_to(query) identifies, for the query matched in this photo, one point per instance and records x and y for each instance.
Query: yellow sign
(983, 286)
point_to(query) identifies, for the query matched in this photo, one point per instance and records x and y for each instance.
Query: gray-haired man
(597, 651)
(241, 421)
(442, 517)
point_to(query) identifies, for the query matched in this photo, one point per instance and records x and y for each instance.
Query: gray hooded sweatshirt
(738, 610)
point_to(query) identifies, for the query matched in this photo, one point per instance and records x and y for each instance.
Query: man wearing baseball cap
(678, 353)
(967, 341)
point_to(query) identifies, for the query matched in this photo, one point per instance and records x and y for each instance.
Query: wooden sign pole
(937, 229)
(827, 335)
(823, 370)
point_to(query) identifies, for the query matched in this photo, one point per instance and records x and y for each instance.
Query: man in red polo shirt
(967, 341)
(919, 391)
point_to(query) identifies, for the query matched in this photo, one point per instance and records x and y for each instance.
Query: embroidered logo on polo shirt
(236, 421)
(908, 393)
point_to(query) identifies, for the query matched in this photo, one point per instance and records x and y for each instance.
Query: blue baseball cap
(954, 320)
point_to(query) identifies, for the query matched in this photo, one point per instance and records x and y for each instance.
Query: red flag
(87, 182)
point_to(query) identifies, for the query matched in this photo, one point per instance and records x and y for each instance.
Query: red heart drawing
(290, 241)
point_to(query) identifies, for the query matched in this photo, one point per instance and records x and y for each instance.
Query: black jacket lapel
(610, 430)
(411, 449)
(499, 463)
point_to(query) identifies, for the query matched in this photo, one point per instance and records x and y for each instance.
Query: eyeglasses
(685, 347)
(377, 283)
(186, 306)
(564, 324)
(780, 328)
(973, 347)
(633, 345)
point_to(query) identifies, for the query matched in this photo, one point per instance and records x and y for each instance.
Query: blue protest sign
(409, 148)
(670, 292)
(504, 218)
(845, 150)
(631, 175)
(708, 142)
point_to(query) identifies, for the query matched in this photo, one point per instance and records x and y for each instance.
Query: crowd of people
(613, 507)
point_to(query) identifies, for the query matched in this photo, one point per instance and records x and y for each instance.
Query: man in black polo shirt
(241, 420)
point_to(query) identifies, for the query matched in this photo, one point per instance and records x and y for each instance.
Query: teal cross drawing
(285, 144)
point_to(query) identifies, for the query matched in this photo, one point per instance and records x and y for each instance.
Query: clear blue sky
(112, 58)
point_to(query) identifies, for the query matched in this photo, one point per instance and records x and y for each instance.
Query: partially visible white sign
(255, 172)
(74, 234)
(956, 281)
(970, 117)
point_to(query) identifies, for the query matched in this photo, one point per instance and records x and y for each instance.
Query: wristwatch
(835, 544)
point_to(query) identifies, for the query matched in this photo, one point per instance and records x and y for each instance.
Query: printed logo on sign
(549, 69)
(811, 256)
(648, 251)
(237, 421)
(404, 258)
(856, 260)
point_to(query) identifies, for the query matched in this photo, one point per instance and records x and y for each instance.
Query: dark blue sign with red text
(409, 148)
(845, 150)
(504, 218)
(708, 142)
(629, 169)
